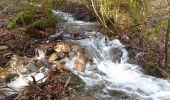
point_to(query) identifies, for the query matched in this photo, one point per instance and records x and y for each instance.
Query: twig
(34, 80)
(67, 82)
(100, 18)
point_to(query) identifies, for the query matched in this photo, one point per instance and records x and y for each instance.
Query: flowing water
(107, 73)
(114, 75)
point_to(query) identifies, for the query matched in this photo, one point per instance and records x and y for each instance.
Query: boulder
(81, 55)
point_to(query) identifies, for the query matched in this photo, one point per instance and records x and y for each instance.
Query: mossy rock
(42, 28)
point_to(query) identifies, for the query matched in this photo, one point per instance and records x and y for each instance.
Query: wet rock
(81, 55)
(3, 47)
(80, 63)
(116, 54)
(56, 56)
(125, 38)
(75, 82)
(6, 74)
(79, 96)
(62, 46)
(59, 65)
(119, 95)
(10, 97)
(92, 93)
(24, 65)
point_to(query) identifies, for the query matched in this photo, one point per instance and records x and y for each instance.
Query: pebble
(3, 47)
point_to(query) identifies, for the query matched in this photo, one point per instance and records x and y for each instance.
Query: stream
(113, 75)
(106, 76)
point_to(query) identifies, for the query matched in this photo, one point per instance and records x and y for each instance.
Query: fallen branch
(67, 82)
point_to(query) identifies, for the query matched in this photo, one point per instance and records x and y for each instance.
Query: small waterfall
(115, 75)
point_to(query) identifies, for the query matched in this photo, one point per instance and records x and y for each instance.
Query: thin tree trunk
(166, 43)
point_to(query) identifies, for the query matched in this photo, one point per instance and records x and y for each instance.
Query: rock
(125, 38)
(61, 46)
(59, 65)
(24, 65)
(79, 96)
(3, 47)
(31, 67)
(81, 55)
(52, 57)
(80, 63)
(56, 56)
(10, 97)
(121, 95)
(116, 54)
(75, 82)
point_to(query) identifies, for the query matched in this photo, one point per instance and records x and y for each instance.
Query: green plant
(121, 14)
(19, 17)
(30, 13)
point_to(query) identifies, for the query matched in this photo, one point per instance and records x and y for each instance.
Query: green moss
(13, 23)
(43, 23)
